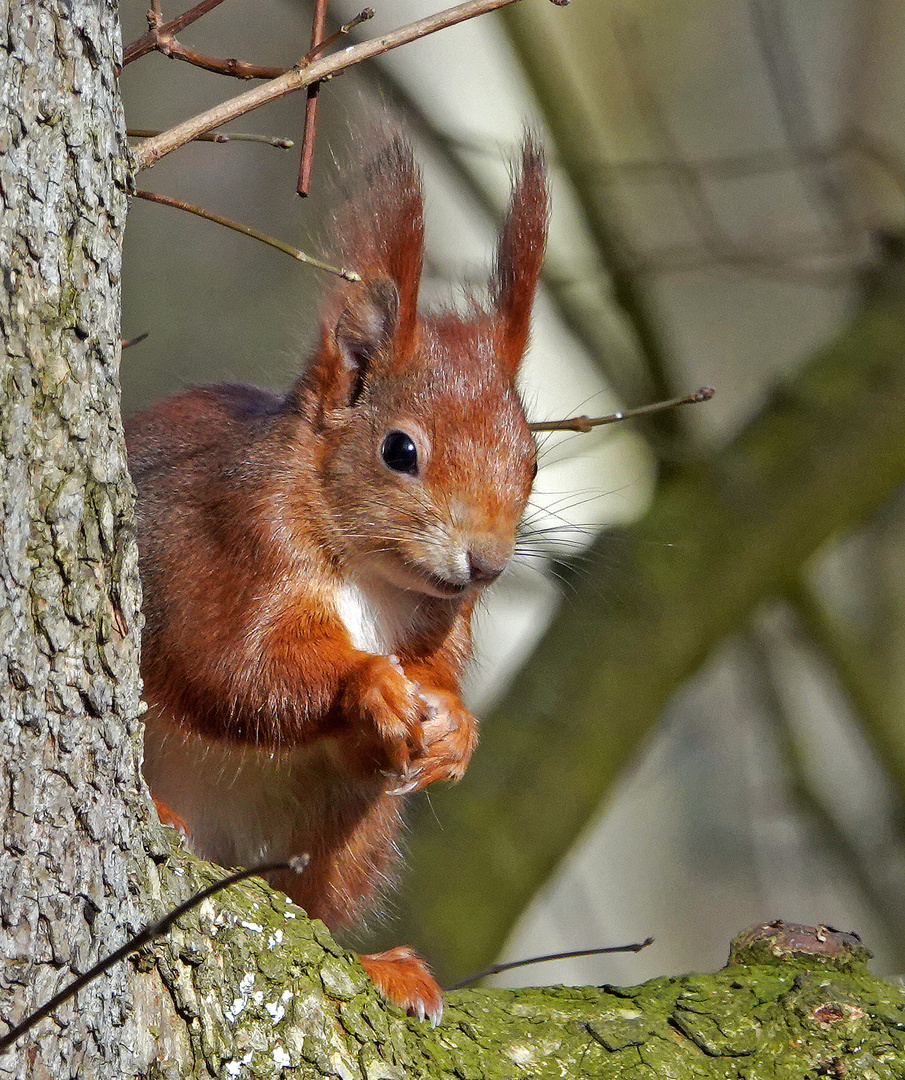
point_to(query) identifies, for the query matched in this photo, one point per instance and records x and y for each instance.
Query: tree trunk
(69, 597)
(243, 985)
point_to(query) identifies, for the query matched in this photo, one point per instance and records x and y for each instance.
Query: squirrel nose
(484, 568)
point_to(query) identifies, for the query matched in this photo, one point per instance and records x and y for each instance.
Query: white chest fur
(242, 806)
(377, 616)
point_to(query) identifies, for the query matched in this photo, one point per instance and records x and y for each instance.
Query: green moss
(272, 992)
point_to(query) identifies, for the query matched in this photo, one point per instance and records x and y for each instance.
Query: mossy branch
(793, 1001)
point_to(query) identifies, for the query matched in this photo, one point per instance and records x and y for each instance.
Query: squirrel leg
(405, 980)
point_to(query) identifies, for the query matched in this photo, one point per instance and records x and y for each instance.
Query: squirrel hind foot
(404, 979)
(170, 817)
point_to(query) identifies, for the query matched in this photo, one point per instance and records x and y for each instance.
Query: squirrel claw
(409, 780)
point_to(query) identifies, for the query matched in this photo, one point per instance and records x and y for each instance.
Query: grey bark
(69, 694)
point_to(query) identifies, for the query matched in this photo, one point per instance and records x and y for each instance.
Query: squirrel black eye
(399, 453)
(534, 471)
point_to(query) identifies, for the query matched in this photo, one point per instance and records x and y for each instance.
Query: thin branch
(719, 248)
(155, 15)
(165, 42)
(727, 166)
(854, 668)
(636, 63)
(135, 340)
(236, 69)
(150, 151)
(773, 34)
(497, 969)
(149, 933)
(166, 200)
(646, 369)
(724, 167)
(587, 423)
(362, 16)
(150, 42)
(687, 259)
(860, 860)
(318, 44)
(221, 137)
(163, 38)
(307, 156)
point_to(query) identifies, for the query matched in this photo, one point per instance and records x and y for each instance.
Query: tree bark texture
(69, 600)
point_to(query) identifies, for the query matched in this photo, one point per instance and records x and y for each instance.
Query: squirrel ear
(379, 231)
(519, 254)
(365, 329)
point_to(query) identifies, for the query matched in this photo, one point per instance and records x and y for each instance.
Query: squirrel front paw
(449, 735)
(385, 711)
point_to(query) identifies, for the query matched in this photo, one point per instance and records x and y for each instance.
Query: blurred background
(691, 683)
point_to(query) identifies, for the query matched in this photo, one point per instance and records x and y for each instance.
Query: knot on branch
(781, 942)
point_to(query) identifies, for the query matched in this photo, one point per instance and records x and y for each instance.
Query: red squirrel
(311, 561)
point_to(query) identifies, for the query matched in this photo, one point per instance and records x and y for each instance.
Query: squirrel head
(426, 459)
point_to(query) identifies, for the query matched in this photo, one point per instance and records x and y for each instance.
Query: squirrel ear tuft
(519, 255)
(380, 230)
(365, 329)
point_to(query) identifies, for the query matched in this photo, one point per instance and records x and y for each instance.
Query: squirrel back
(311, 561)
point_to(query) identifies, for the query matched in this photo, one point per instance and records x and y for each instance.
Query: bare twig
(496, 969)
(772, 33)
(726, 167)
(646, 366)
(163, 39)
(236, 69)
(627, 33)
(155, 15)
(307, 156)
(362, 16)
(587, 423)
(150, 42)
(799, 260)
(719, 248)
(134, 341)
(868, 854)
(319, 43)
(246, 230)
(150, 151)
(221, 137)
(155, 930)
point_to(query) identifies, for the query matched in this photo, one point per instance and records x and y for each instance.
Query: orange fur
(309, 590)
